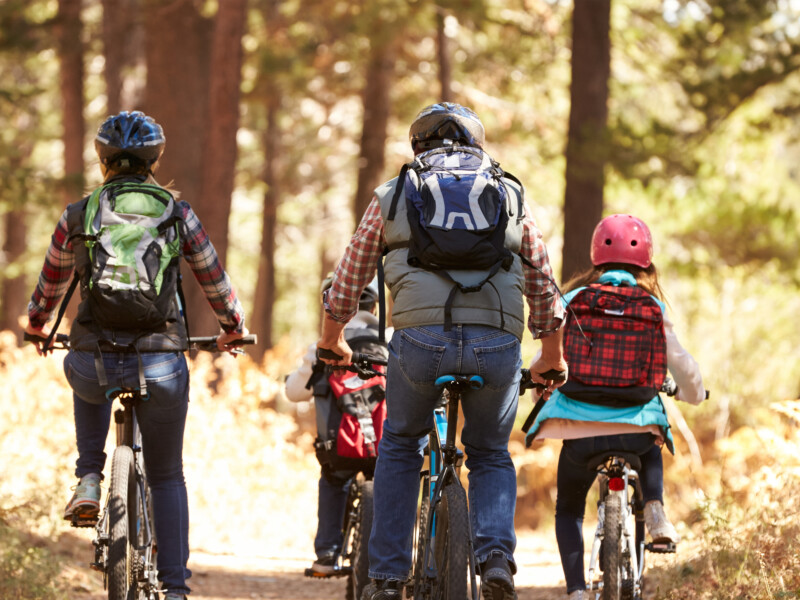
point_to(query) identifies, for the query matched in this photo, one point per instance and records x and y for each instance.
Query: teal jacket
(560, 406)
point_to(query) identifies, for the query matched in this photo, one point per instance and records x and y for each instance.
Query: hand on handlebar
(547, 375)
(225, 341)
(40, 336)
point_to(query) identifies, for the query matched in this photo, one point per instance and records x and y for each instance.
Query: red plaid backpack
(619, 358)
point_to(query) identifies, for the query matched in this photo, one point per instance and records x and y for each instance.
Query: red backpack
(350, 410)
(617, 348)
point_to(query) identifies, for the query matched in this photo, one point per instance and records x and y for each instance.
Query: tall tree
(587, 140)
(177, 50)
(443, 54)
(377, 105)
(122, 46)
(70, 53)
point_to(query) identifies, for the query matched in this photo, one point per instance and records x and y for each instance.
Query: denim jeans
(574, 481)
(332, 498)
(417, 356)
(162, 419)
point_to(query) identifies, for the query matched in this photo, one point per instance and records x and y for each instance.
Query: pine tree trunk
(122, 48)
(13, 290)
(70, 53)
(587, 144)
(445, 63)
(376, 99)
(177, 50)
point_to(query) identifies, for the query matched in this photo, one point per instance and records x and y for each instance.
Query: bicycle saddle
(472, 381)
(600, 459)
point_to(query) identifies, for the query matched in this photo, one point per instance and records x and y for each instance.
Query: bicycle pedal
(661, 547)
(96, 566)
(83, 522)
(339, 572)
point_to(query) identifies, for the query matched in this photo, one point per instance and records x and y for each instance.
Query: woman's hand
(42, 333)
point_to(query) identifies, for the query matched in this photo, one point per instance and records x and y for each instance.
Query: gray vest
(419, 296)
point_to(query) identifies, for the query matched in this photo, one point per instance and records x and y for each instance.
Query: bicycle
(125, 544)
(618, 547)
(353, 562)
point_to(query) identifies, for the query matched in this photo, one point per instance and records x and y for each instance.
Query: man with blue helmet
(480, 335)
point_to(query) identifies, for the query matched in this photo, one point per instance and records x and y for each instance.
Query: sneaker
(383, 589)
(497, 580)
(324, 566)
(658, 525)
(578, 595)
(85, 502)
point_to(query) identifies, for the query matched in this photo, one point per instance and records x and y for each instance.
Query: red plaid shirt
(197, 250)
(360, 260)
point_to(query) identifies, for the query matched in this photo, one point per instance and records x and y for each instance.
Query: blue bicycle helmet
(447, 120)
(130, 133)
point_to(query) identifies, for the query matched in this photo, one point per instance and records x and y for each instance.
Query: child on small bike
(301, 385)
(602, 407)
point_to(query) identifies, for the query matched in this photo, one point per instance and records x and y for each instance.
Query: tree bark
(223, 123)
(122, 48)
(13, 289)
(264, 302)
(70, 53)
(377, 105)
(445, 63)
(177, 51)
(587, 141)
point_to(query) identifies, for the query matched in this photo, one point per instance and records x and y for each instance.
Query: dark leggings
(575, 480)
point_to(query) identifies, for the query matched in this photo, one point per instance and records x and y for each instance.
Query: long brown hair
(647, 279)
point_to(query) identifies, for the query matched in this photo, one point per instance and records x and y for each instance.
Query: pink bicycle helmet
(622, 239)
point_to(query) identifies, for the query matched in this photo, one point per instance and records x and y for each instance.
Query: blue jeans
(417, 356)
(332, 499)
(162, 419)
(574, 481)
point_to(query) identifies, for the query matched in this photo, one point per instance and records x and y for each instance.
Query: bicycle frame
(618, 478)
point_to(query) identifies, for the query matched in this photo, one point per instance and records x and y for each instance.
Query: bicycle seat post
(450, 450)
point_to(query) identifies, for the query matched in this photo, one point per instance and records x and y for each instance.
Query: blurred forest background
(282, 116)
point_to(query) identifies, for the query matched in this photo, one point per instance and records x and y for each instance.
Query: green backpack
(131, 231)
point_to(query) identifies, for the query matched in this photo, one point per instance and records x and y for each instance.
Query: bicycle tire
(611, 558)
(451, 517)
(359, 574)
(121, 551)
(420, 533)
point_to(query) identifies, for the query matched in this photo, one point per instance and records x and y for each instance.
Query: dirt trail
(248, 577)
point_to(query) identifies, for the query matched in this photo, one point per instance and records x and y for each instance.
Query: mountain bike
(618, 548)
(443, 559)
(353, 562)
(125, 544)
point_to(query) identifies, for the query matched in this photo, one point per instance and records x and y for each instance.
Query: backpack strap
(62, 309)
(468, 289)
(381, 299)
(398, 190)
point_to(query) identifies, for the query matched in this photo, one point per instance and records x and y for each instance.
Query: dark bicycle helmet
(447, 120)
(130, 133)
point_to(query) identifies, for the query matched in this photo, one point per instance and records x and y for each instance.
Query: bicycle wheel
(451, 545)
(122, 555)
(359, 562)
(420, 534)
(611, 557)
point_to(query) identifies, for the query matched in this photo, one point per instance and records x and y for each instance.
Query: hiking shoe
(383, 589)
(324, 566)
(577, 595)
(85, 502)
(658, 525)
(497, 581)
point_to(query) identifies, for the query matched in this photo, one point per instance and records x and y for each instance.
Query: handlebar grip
(60, 338)
(554, 375)
(326, 353)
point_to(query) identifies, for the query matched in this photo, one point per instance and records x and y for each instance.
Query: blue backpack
(458, 209)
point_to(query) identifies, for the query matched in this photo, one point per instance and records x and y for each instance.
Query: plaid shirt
(197, 250)
(358, 265)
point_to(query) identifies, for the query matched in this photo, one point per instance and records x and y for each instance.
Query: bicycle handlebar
(206, 343)
(527, 383)
(362, 364)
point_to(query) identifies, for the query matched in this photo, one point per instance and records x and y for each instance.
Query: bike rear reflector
(616, 484)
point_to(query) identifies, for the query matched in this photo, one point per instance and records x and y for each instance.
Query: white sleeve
(295, 385)
(683, 368)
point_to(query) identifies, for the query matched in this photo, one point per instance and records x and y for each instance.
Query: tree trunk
(13, 290)
(264, 303)
(177, 50)
(445, 64)
(122, 48)
(587, 142)
(70, 53)
(376, 117)
(220, 144)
